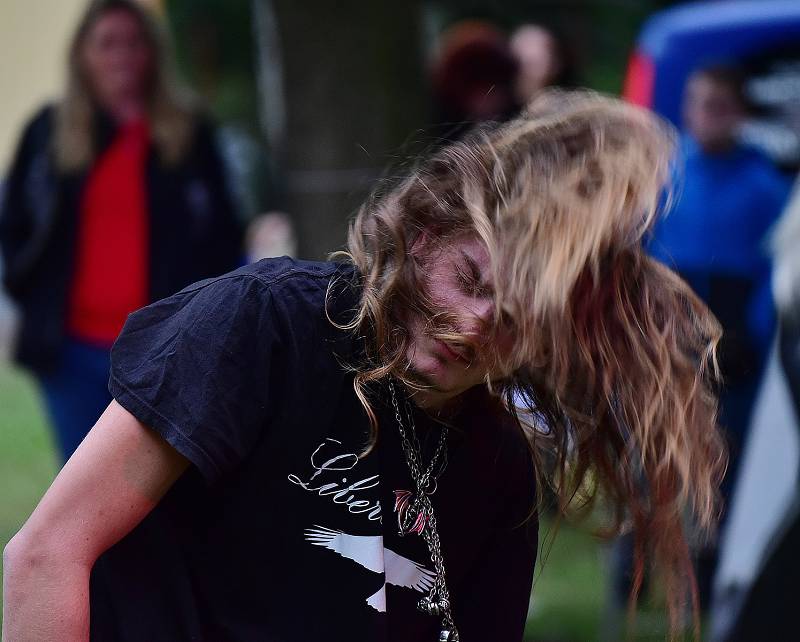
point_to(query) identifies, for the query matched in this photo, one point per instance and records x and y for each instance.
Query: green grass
(571, 581)
(28, 460)
(570, 592)
(27, 455)
(569, 587)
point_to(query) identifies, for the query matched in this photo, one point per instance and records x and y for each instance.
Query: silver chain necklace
(415, 514)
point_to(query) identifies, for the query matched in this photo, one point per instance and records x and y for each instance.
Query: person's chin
(440, 375)
(429, 371)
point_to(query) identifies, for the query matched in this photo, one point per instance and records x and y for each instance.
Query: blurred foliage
(214, 47)
(216, 52)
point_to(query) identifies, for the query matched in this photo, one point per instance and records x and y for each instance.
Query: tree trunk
(343, 91)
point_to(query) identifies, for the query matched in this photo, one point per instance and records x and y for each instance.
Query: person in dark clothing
(350, 451)
(116, 197)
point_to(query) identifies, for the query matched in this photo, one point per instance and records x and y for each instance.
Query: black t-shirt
(279, 531)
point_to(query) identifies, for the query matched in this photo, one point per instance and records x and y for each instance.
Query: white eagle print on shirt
(368, 551)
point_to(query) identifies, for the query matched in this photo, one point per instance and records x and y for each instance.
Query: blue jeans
(76, 393)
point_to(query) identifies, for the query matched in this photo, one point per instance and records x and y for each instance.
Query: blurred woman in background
(544, 59)
(116, 197)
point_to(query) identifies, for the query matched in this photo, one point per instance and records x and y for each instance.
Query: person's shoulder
(756, 159)
(273, 271)
(283, 281)
(272, 298)
(43, 115)
(286, 273)
(764, 170)
(38, 129)
(205, 127)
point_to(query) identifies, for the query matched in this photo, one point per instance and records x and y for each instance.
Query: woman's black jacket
(194, 230)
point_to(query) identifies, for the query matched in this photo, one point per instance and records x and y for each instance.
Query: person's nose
(482, 312)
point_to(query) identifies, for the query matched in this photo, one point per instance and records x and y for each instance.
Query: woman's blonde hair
(614, 357)
(170, 107)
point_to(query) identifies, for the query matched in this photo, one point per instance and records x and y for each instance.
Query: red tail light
(639, 79)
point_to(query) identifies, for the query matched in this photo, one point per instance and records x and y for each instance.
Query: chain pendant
(415, 515)
(412, 518)
(431, 606)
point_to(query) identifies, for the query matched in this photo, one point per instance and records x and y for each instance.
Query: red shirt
(111, 269)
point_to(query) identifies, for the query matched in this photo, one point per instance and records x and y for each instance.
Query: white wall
(33, 39)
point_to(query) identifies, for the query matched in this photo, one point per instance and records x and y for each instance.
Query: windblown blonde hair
(170, 107)
(614, 356)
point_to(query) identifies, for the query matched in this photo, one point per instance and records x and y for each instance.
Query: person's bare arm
(117, 475)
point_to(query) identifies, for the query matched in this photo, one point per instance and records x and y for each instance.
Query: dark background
(323, 96)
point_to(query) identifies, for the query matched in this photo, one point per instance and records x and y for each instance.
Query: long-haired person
(306, 451)
(116, 198)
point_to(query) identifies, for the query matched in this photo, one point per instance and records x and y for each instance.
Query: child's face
(712, 113)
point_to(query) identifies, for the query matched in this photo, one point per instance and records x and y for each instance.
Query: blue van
(762, 37)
